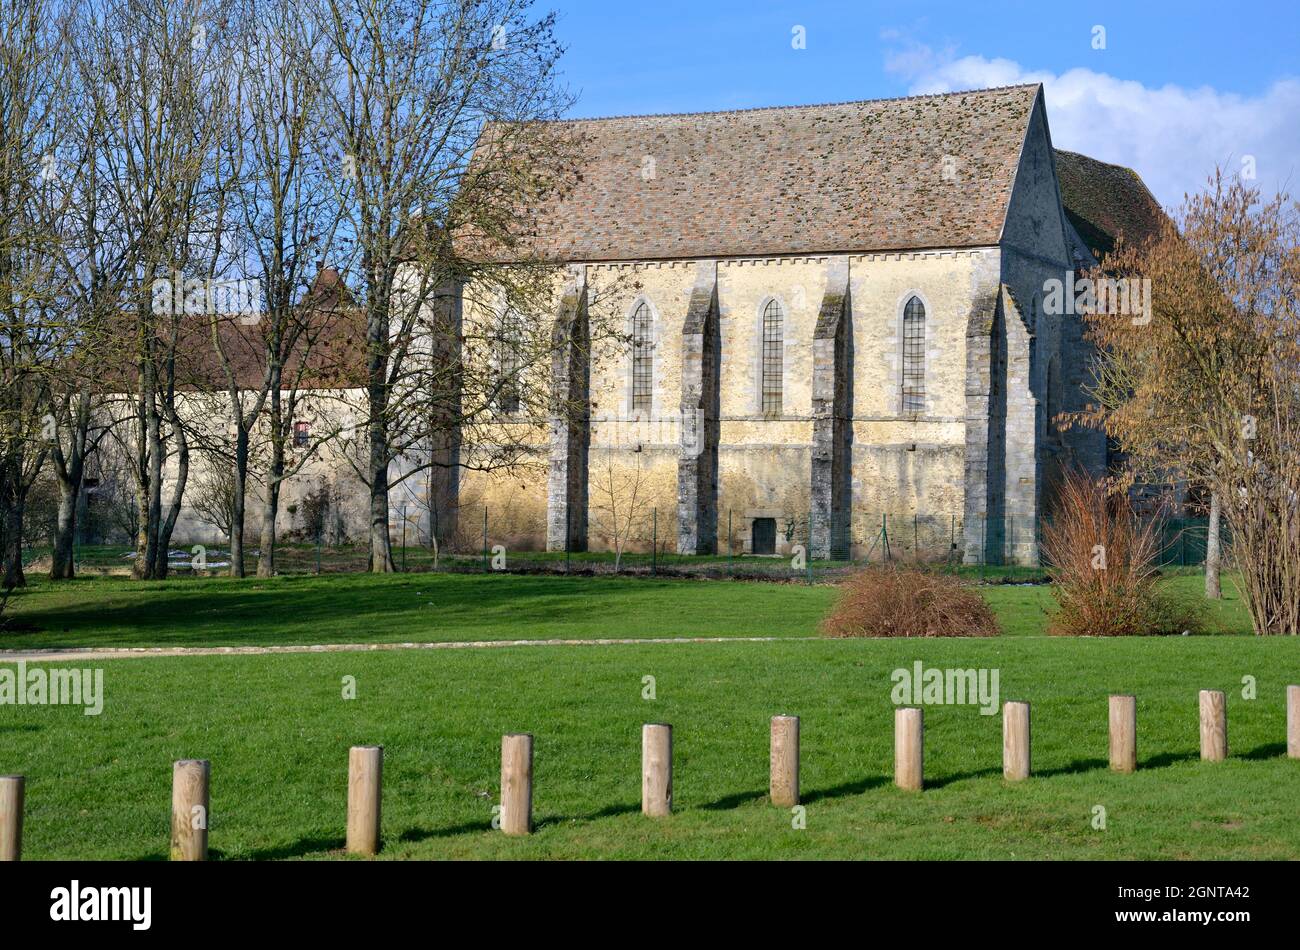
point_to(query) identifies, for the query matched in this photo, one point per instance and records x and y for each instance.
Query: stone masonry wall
(906, 467)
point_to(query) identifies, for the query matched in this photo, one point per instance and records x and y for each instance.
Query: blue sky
(1177, 88)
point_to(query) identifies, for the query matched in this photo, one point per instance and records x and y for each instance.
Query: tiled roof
(336, 353)
(1102, 201)
(851, 176)
(333, 342)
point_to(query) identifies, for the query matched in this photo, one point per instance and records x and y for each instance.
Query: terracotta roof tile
(851, 176)
(1103, 200)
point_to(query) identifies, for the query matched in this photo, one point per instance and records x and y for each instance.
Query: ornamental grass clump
(905, 602)
(1102, 560)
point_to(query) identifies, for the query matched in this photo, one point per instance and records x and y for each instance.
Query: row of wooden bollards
(190, 777)
(1016, 744)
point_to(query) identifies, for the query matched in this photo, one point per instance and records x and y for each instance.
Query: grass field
(360, 608)
(299, 558)
(277, 729)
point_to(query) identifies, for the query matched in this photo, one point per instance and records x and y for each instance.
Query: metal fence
(798, 546)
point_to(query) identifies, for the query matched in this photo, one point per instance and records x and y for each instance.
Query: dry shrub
(902, 602)
(1103, 567)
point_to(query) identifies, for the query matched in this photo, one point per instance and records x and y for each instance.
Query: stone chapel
(839, 307)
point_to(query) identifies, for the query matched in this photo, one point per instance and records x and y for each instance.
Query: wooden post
(1123, 733)
(909, 745)
(190, 809)
(1214, 725)
(11, 817)
(656, 769)
(517, 783)
(1293, 722)
(1015, 741)
(365, 781)
(783, 785)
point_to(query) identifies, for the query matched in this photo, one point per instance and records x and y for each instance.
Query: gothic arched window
(914, 356)
(642, 358)
(510, 342)
(1051, 396)
(773, 355)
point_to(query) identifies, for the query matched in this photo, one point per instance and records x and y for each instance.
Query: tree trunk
(378, 351)
(266, 553)
(14, 576)
(167, 524)
(1212, 551)
(142, 569)
(61, 566)
(150, 498)
(381, 549)
(271, 506)
(275, 472)
(69, 469)
(239, 488)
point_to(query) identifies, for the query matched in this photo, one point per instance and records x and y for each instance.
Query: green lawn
(300, 558)
(1024, 610)
(277, 730)
(360, 608)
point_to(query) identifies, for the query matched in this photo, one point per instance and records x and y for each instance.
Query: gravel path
(74, 654)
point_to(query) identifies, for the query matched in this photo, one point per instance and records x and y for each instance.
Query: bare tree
(96, 266)
(620, 500)
(163, 71)
(1207, 385)
(213, 494)
(34, 112)
(287, 214)
(79, 431)
(410, 85)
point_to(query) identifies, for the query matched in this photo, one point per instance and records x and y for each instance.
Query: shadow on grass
(1078, 766)
(941, 781)
(609, 811)
(414, 835)
(1075, 767)
(298, 849)
(1273, 750)
(287, 610)
(843, 790)
(1166, 759)
(734, 801)
(806, 797)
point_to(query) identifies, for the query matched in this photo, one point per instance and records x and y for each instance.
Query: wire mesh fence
(800, 547)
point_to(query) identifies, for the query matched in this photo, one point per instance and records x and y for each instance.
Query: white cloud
(1172, 136)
